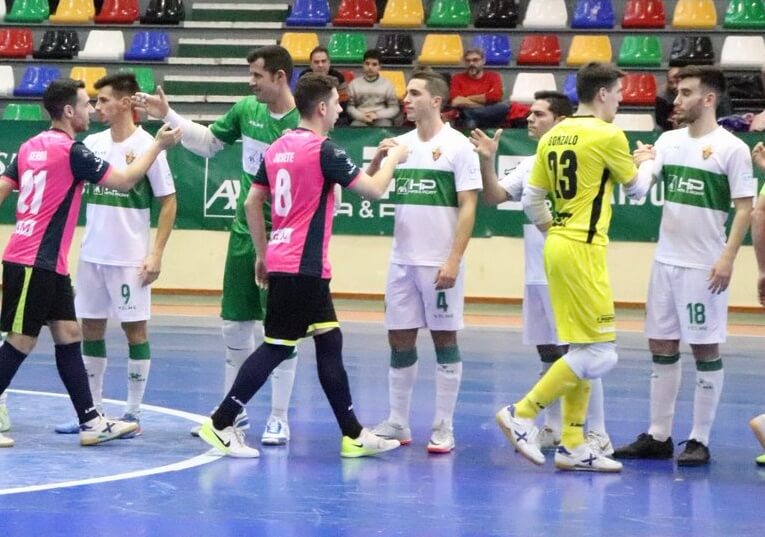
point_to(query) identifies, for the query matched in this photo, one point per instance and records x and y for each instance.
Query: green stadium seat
(23, 111)
(29, 11)
(745, 14)
(347, 47)
(640, 51)
(449, 14)
(144, 76)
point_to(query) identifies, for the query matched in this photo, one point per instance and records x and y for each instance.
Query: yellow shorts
(580, 290)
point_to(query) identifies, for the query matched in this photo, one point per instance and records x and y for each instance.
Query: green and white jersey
(251, 121)
(118, 223)
(425, 194)
(701, 177)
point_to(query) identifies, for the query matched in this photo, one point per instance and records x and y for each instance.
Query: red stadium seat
(539, 50)
(644, 14)
(15, 42)
(356, 13)
(639, 89)
(118, 12)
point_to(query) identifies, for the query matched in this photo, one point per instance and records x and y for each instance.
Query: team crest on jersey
(130, 157)
(436, 153)
(707, 152)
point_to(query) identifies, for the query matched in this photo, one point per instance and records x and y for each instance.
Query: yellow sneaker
(366, 444)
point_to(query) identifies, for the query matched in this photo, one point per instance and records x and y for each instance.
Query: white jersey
(425, 193)
(701, 178)
(514, 182)
(118, 223)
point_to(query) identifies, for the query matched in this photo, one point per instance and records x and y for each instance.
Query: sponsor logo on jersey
(436, 153)
(416, 186)
(256, 124)
(686, 185)
(25, 228)
(707, 152)
(129, 158)
(281, 236)
(38, 156)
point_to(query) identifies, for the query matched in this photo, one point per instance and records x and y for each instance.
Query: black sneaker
(645, 447)
(695, 454)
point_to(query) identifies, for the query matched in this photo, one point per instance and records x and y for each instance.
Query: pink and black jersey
(48, 173)
(300, 171)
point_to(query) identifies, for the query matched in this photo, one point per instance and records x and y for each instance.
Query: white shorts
(538, 318)
(411, 299)
(680, 307)
(110, 291)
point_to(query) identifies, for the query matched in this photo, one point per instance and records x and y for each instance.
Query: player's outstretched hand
(155, 105)
(261, 274)
(168, 137)
(758, 155)
(399, 153)
(642, 153)
(485, 147)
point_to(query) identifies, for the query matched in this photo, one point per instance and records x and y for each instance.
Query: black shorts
(32, 297)
(297, 305)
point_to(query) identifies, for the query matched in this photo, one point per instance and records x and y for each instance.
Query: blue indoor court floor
(166, 483)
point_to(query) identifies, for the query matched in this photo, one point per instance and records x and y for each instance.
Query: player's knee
(238, 334)
(592, 361)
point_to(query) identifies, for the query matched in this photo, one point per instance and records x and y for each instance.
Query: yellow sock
(559, 379)
(574, 411)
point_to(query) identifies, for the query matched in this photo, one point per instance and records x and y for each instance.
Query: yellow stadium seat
(300, 45)
(89, 75)
(589, 48)
(398, 80)
(441, 49)
(403, 14)
(695, 14)
(73, 12)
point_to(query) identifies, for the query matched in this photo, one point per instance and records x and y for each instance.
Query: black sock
(10, 361)
(334, 380)
(253, 374)
(71, 369)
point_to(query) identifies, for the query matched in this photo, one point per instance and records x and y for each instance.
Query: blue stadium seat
(35, 80)
(593, 14)
(495, 46)
(569, 88)
(309, 13)
(294, 79)
(151, 45)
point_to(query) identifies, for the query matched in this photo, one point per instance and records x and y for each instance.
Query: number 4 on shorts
(441, 301)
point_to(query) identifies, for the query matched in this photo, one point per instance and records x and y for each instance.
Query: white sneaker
(277, 432)
(5, 419)
(522, 434)
(229, 441)
(242, 422)
(548, 439)
(5, 441)
(584, 458)
(758, 428)
(366, 444)
(442, 439)
(101, 429)
(393, 431)
(600, 443)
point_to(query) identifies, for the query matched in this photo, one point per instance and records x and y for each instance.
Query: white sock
(596, 418)
(448, 379)
(400, 385)
(552, 414)
(706, 397)
(96, 367)
(282, 380)
(138, 374)
(665, 385)
(239, 338)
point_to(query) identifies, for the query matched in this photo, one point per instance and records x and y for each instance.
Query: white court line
(198, 460)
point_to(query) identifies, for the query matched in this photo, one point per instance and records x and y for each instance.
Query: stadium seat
(73, 12)
(745, 15)
(22, 112)
(347, 47)
(691, 50)
(28, 11)
(164, 12)
(743, 52)
(15, 42)
(497, 14)
(496, 47)
(300, 45)
(449, 14)
(356, 13)
(640, 51)
(635, 122)
(593, 14)
(639, 89)
(441, 49)
(589, 48)
(546, 14)
(7, 81)
(403, 14)
(527, 84)
(396, 48)
(58, 45)
(2, 10)
(309, 13)
(644, 14)
(695, 14)
(398, 80)
(569, 88)
(118, 12)
(89, 75)
(104, 45)
(35, 80)
(144, 76)
(151, 45)
(746, 92)
(539, 50)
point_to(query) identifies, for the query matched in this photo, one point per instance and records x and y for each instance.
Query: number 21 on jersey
(31, 192)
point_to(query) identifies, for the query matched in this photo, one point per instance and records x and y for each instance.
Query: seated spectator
(665, 101)
(477, 93)
(372, 99)
(322, 63)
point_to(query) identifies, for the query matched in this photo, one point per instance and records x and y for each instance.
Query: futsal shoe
(101, 429)
(758, 428)
(132, 418)
(646, 447)
(5, 419)
(584, 459)
(5, 441)
(393, 431)
(548, 439)
(229, 441)
(760, 460)
(694, 454)
(242, 422)
(600, 443)
(367, 444)
(442, 439)
(72, 427)
(522, 434)
(277, 432)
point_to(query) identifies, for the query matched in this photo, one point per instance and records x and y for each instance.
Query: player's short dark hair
(319, 49)
(474, 50)
(122, 83)
(60, 93)
(373, 54)
(593, 76)
(275, 58)
(434, 83)
(560, 104)
(710, 77)
(313, 88)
